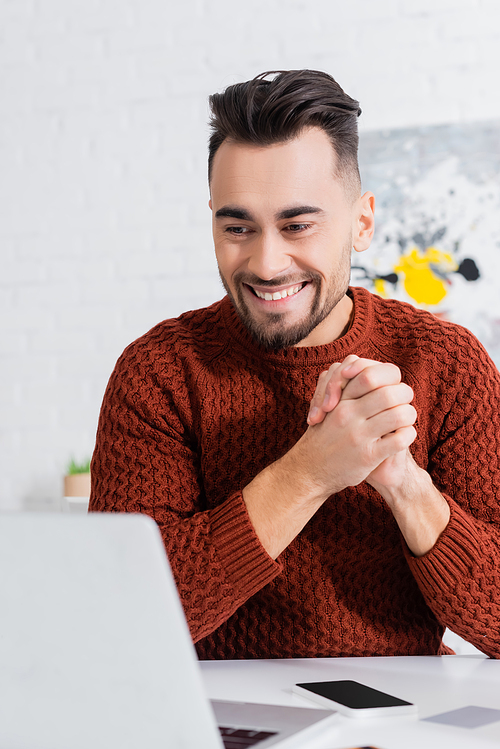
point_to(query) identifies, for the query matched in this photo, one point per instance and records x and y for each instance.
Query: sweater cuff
(453, 556)
(247, 564)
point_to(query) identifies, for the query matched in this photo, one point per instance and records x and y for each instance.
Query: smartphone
(354, 699)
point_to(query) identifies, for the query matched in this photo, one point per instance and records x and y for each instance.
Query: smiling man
(323, 464)
(286, 263)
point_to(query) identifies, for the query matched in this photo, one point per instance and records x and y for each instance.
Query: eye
(296, 228)
(237, 230)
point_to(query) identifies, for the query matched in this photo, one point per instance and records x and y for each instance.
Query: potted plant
(77, 479)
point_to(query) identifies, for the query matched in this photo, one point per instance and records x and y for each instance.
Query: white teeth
(278, 294)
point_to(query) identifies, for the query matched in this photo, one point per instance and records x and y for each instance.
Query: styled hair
(265, 112)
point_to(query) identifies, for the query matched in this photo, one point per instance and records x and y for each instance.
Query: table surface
(436, 684)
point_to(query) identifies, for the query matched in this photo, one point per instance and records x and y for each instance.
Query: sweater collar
(337, 350)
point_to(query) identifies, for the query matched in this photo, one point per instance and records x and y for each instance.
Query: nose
(268, 256)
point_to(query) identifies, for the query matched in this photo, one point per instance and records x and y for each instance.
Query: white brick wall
(104, 225)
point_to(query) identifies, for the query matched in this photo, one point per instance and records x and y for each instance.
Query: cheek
(227, 260)
(318, 255)
(331, 249)
(231, 254)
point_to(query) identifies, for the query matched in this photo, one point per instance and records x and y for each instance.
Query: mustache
(291, 280)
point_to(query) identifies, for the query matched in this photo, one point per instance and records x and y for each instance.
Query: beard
(275, 333)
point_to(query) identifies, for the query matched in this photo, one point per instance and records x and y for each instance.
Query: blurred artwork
(437, 237)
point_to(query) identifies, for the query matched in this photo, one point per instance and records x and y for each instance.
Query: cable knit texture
(195, 409)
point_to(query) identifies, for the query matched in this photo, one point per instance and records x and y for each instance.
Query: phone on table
(354, 699)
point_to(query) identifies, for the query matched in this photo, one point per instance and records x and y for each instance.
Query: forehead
(302, 169)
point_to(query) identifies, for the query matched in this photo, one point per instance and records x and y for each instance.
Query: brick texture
(104, 226)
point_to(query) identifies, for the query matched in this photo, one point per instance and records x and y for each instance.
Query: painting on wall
(437, 238)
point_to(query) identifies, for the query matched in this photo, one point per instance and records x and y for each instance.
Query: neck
(334, 326)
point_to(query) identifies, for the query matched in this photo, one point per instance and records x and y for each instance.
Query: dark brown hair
(266, 112)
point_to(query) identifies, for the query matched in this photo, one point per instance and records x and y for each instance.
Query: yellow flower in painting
(379, 287)
(426, 274)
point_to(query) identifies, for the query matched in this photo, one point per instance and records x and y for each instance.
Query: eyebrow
(243, 215)
(229, 212)
(299, 210)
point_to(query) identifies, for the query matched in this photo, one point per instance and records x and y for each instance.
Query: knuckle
(400, 441)
(343, 414)
(350, 359)
(404, 438)
(391, 397)
(320, 386)
(396, 395)
(367, 378)
(405, 416)
(329, 386)
(391, 374)
(409, 415)
(322, 378)
(409, 392)
(317, 399)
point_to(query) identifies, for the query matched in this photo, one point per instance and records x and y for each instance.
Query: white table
(436, 684)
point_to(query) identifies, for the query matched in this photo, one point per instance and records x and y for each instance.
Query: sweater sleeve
(459, 579)
(460, 576)
(144, 461)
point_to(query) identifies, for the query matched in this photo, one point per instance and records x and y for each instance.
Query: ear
(210, 203)
(364, 222)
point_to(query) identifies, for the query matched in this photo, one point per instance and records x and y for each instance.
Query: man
(323, 464)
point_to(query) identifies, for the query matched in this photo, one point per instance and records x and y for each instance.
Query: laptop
(95, 650)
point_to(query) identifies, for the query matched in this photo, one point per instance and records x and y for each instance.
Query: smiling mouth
(276, 295)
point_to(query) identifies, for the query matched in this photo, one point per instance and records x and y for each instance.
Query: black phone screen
(353, 694)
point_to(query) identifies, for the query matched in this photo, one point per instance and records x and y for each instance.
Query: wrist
(306, 481)
(403, 485)
(419, 508)
(280, 500)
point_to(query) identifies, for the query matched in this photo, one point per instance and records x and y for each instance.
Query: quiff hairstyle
(265, 112)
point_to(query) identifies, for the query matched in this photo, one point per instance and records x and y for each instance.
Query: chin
(275, 334)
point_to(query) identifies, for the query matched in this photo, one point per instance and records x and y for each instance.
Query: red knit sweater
(195, 409)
